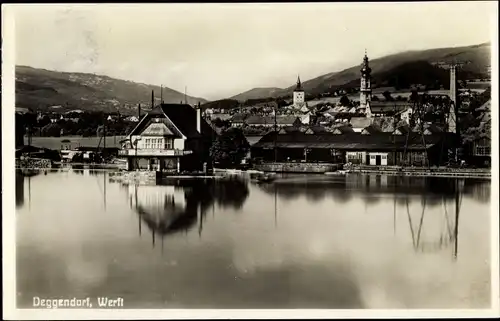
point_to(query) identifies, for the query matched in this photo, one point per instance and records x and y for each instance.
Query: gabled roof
(401, 130)
(184, 117)
(157, 129)
(485, 107)
(432, 129)
(344, 129)
(371, 129)
(180, 119)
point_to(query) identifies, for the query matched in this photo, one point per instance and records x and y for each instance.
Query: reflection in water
(433, 192)
(19, 189)
(372, 188)
(449, 226)
(326, 253)
(176, 206)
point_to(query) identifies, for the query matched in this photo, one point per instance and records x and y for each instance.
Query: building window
(418, 157)
(169, 143)
(154, 143)
(483, 150)
(147, 143)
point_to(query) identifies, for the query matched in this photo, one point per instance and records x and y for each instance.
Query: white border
(8, 217)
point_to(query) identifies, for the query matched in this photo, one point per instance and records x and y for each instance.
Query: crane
(451, 120)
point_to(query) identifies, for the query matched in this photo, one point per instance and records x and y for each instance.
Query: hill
(386, 68)
(39, 89)
(258, 93)
(221, 104)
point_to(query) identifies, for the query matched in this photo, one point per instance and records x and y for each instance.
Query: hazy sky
(219, 50)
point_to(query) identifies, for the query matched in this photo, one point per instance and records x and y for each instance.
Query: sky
(220, 50)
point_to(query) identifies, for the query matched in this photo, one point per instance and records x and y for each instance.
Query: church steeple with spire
(365, 91)
(298, 94)
(299, 85)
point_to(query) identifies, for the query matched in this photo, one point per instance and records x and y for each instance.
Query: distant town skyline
(220, 50)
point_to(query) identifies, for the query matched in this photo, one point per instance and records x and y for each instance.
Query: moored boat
(262, 177)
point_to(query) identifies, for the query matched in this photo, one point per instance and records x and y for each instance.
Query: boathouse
(171, 137)
(377, 148)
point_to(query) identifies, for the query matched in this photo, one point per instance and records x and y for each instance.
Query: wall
(356, 157)
(298, 97)
(383, 158)
(179, 143)
(297, 167)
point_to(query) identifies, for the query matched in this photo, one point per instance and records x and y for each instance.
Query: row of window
(158, 143)
(483, 150)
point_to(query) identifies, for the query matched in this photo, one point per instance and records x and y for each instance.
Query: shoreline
(434, 173)
(442, 172)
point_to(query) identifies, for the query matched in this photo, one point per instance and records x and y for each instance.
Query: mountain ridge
(40, 89)
(480, 54)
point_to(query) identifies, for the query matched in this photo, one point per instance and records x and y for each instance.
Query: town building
(171, 137)
(386, 108)
(378, 149)
(238, 120)
(360, 123)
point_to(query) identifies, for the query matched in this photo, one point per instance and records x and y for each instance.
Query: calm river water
(361, 241)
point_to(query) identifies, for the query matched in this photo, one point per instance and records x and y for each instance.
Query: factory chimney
(198, 118)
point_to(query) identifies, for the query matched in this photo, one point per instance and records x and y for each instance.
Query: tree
(51, 130)
(344, 101)
(387, 96)
(229, 148)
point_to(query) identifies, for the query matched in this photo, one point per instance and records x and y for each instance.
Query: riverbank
(426, 172)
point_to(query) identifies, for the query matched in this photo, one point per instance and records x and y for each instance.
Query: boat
(339, 172)
(262, 177)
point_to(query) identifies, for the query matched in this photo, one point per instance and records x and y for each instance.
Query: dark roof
(351, 141)
(344, 129)
(317, 129)
(388, 107)
(372, 129)
(433, 128)
(404, 129)
(182, 116)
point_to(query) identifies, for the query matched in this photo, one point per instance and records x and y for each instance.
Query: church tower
(298, 95)
(365, 92)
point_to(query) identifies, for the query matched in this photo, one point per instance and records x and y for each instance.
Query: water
(359, 241)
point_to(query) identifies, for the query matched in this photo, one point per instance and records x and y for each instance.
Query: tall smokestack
(139, 111)
(152, 99)
(198, 118)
